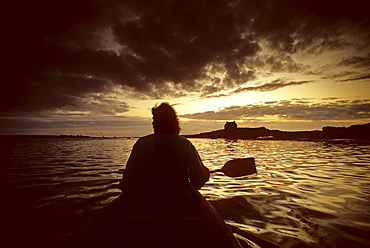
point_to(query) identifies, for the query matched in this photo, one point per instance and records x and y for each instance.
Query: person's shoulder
(145, 138)
(168, 136)
(165, 136)
(184, 140)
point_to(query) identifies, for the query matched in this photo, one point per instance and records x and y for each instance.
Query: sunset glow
(288, 65)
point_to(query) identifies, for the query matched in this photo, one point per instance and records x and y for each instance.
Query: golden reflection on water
(306, 189)
(303, 193)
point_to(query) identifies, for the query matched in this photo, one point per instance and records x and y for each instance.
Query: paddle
(238, 167)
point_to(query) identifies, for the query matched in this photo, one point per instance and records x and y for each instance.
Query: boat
(198, 225)
(115, 227)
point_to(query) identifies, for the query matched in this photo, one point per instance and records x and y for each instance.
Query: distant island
(232, 131)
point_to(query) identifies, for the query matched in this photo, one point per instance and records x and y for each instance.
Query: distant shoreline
(231, 131)
(62, 136)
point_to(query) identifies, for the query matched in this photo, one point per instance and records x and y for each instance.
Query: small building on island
(231, 130)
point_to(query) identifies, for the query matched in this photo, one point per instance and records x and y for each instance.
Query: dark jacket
(160, 170)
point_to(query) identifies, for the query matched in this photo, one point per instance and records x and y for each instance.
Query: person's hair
(165, 119)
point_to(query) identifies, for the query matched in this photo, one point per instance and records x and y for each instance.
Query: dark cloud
(340, 75)
(361, 77)
(356, 61)
(294, 109)
(266, 65)
(274, 85)
(271, 86)
(354, 68)
(59, 54)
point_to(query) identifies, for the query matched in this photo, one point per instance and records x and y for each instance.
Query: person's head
(165, 119)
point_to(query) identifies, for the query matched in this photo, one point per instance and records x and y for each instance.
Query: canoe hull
(117, 228)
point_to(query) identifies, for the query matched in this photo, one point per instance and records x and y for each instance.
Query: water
(305, 194)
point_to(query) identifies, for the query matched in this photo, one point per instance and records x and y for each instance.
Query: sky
(98, 67)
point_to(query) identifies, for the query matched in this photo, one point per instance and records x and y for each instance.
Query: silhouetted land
(47, 136)
(231, 131)
(62, 136)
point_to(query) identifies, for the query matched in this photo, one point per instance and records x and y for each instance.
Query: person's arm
(129, 166)
(198, 173)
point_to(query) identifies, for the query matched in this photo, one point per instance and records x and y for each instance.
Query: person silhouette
(162, 168)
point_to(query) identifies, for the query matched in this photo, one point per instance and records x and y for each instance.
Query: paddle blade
(239, 167)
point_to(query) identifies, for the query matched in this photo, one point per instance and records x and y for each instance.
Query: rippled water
(305, 194)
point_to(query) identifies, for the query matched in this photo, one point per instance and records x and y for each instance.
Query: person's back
(157, 174)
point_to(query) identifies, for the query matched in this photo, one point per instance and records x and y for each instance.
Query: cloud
(274, 85)
(295, 109)
(59, 54)
(356, 61)
(361, 77)
(348, 68)
(271, 86)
